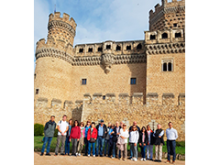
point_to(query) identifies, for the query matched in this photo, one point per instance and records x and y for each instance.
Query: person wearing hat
(102, 132)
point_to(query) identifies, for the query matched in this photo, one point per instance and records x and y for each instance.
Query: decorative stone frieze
(56, 103)
(55, 53)
(61, 25)
(165, 48)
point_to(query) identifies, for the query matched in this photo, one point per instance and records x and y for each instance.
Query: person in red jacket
(91, 137)
(75, 136)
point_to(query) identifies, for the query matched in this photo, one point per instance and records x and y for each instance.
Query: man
(62, 127)
(107, 138)
(171, 142)
(49, 130)
(134, 124)
(88, 125)
(159, 142)
(115, 134)
(102, 129)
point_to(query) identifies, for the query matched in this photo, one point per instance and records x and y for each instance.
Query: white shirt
(124, 134)
(134, 136)
(171, 134)
(63, 126)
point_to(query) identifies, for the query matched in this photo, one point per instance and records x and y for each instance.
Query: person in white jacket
(133, 141)
(124, 135)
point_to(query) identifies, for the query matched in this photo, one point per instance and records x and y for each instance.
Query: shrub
(56, 133)
(180, 143)
(38, 130)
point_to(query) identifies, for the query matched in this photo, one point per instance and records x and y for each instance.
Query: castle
(142, 80)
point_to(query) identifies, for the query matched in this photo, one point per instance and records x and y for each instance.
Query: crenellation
(138, 80)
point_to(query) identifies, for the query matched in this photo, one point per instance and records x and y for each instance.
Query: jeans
(111, 147)
(48, 141)
(134, 150)
(171, 149)
(86, 145)
(93, 148)
(100, 142)
(131, 153)
(106, 146)
(150, 151)
(143, 148)
(67, 145)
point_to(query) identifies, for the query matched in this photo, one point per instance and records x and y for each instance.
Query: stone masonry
(93, 81)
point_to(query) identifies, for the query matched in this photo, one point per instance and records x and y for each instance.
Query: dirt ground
(82, 160)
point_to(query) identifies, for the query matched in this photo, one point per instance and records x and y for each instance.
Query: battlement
(165, 36)
(66, 18)
(110, 47)
(165, 5)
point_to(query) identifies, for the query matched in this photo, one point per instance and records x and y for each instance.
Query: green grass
(180, 146)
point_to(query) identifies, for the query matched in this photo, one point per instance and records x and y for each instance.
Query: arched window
(108, 46)
(170, 66)
(129, 47)
(164, 35)
(152, 37)
(139, 46)
(177, 35)
(81, 50)
(118, 48)
(90, 50)
(99, 49)
(164, 66)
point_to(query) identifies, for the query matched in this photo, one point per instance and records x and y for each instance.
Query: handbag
(92, 140)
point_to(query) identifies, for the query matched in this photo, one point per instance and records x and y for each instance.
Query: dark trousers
(67, 145)
(106, 146)
(74, 146)
(86, 145)
(99, 142)
(143, 149)
(171, 149)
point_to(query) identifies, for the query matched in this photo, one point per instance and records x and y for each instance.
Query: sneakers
(55, 154)
(135, 159)
(48, 154)
(142, 159)
(88, 155)
(62, 154)
(173, 162)
(132, 159)
(167, 161)
(113, 157)
(79, 154)
(93, 155)
(76, 153)
(41, 154)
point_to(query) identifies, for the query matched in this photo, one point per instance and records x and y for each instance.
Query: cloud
(98, 20)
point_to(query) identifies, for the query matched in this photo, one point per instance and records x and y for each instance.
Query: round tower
(61, 29)
(53, 71)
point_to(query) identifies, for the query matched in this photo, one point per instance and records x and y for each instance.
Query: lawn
(180, 148)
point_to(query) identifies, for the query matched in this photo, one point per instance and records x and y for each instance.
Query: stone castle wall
(131, 108)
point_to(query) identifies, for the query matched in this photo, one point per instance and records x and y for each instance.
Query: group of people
(109, 140)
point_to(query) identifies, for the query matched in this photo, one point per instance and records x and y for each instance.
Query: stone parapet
(124, 98)
(168, 99)
(137, 98)
(151, 99)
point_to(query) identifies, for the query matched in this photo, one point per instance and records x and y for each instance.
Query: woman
(150, 142)
(143, 142)
(75, 136)
(133, 140)
(67, 143)
(123, 137)
(91, 137)
(80, 143)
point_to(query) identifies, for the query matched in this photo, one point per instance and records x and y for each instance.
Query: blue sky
(97, 20)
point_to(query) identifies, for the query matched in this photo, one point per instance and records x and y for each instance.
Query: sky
(97, 20)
